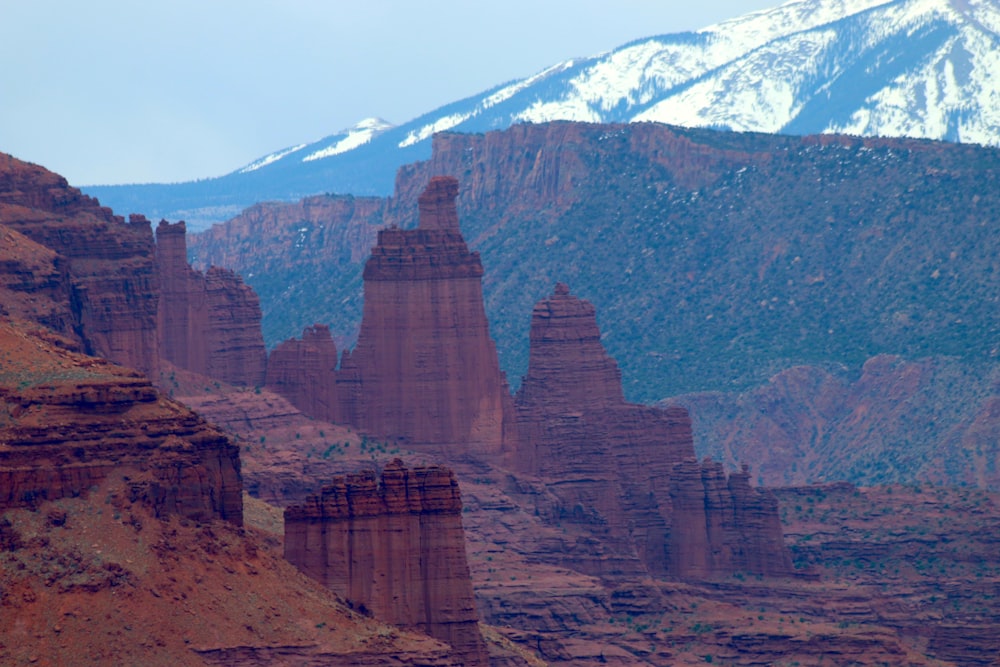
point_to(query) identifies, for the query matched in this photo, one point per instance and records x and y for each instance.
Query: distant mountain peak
(349, 139)
(904, 68)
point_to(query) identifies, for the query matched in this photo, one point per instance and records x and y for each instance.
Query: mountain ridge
(924, 67)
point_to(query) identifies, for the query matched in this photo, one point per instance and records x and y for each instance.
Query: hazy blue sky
(117, 91)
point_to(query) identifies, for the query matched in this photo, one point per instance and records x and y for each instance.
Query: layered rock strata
(208, 323)
(393, 545)
(425, 368)
(34, 284)
(110, 286)
(629, 470)
(304, 372)
(67, 420)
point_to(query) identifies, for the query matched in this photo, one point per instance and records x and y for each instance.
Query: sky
(119, 91)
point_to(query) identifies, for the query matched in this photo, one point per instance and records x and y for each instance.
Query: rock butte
(631, 466)
(393, 545)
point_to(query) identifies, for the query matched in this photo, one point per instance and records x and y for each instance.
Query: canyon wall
(394, 546)
(208, 323)
(111, 281)
(67, 420)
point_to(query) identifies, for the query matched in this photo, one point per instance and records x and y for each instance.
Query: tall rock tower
(629, 470)
(207, 323)
(425, 369)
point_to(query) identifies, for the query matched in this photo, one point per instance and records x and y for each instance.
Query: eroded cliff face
(208, 323)
(68, 420)
(34, 284)
(393, 545)
(111, 282)
(629, 470)
(304, 372)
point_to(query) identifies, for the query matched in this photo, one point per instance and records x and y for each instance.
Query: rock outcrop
(722, 525)
(208, 323)
(111, 286)
(304, 372)
(629, 470)
(393, 545)
(68, 420)
(425, 369)
(34, 284)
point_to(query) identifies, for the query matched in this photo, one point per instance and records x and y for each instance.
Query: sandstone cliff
(208, 323)
(100, 580)
(34, 284)
(394, 546)
(111, 284)
(68, 420)
(328, 236)
(304, 372)
(629, 470)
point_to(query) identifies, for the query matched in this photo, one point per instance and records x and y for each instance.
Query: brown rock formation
(208, 323)
(34, 285)
(394, 546)
(425, 368)
(68, 420)
(723, 525)
(623, 467)
(304, 372)
(97, 580)
(109, 263)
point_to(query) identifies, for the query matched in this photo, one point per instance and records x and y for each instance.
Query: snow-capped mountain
(343, 141)
(917, 68)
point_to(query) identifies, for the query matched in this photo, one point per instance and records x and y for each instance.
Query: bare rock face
(629, 470)
(109, 263)
(723, 525)
(34, 284)
(304, 372)
(393, 545)
(67, 420)
(208, 323)
(425, 368)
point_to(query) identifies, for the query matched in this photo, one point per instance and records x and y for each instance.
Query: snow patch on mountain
(270, 159)
(351, 138)
(492, 99)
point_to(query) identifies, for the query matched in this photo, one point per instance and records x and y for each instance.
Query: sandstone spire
(632, 468)
(425, 369)
(209, 322)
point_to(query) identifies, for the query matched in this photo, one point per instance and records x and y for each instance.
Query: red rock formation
(339, 229)
(208, 323)
(394, 546)
(68, 420)
(304, 372)
(34, 284)
(109, 263)
(425, 368)
(623, 468)
(722, 525)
